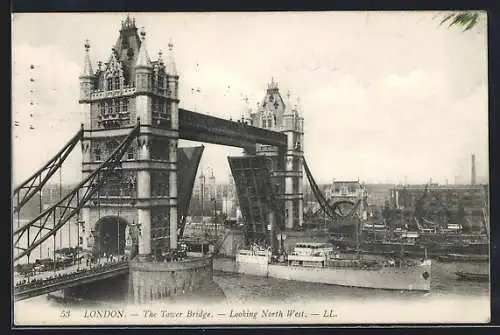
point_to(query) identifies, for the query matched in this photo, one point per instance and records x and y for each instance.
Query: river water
(246, 290)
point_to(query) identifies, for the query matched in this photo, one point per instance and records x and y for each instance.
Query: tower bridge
(137, 183)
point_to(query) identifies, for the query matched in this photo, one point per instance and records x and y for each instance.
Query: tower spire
(170, 66)
(288, 105)
(160, 59)
(128, 23)
(143, 58)
(87, 64)
(298, 107)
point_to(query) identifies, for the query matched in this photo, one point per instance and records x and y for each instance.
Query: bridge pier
(150, 281)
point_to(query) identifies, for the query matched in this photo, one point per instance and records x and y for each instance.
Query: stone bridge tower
(143, 195)
(281, 115)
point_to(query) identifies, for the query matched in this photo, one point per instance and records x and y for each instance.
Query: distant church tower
(131, 86)
(276, 114)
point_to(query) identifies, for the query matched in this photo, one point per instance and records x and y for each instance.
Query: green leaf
(467, 20)
(472, 22)
(447, 18)
(459, 19)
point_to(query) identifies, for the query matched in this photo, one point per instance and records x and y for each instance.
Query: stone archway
(110, 235)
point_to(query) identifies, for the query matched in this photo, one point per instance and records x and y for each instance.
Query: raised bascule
(137, 183)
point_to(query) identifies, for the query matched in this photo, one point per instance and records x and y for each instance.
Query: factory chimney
(473, 170)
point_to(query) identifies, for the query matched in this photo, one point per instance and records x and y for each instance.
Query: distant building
(229, 198)
(346, 190)
(457, 204)
(208, 184)
(378, 194)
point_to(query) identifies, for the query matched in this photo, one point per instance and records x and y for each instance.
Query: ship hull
(414, 278)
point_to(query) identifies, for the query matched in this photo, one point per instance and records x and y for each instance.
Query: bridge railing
(60, 278)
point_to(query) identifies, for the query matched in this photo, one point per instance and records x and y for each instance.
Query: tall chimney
(473, 170)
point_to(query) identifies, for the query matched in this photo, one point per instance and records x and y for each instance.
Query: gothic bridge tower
(276, 114)
(137, 210)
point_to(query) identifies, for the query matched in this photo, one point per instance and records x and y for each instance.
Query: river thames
(246, 290)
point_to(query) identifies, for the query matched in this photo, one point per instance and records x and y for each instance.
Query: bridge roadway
(50, 281)
(205, 128)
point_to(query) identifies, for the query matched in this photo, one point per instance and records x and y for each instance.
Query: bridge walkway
(49, 281)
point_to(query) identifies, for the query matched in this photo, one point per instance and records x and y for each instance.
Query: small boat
(472, 276)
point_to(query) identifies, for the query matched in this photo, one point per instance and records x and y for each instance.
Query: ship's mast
(357, 221)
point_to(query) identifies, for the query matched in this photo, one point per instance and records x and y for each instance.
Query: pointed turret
(170, 67)
(87, 76)
(298, 107)
(289, 114)
(143, 60)
(87, 64)
(160, 58)
(172, 80)
(128, 23)
(246, 112)
(143, 68)
(289, 108)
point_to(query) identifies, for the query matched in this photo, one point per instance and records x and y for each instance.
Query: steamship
(320, 263)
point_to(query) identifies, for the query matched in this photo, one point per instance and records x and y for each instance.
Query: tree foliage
(466, 20)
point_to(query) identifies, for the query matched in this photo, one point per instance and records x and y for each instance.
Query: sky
(387, 97)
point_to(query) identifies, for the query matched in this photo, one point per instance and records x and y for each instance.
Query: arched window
(107, 108)
(161, 78)
(269, 123)
(124, 106)
(114, 107)
(116, 85)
